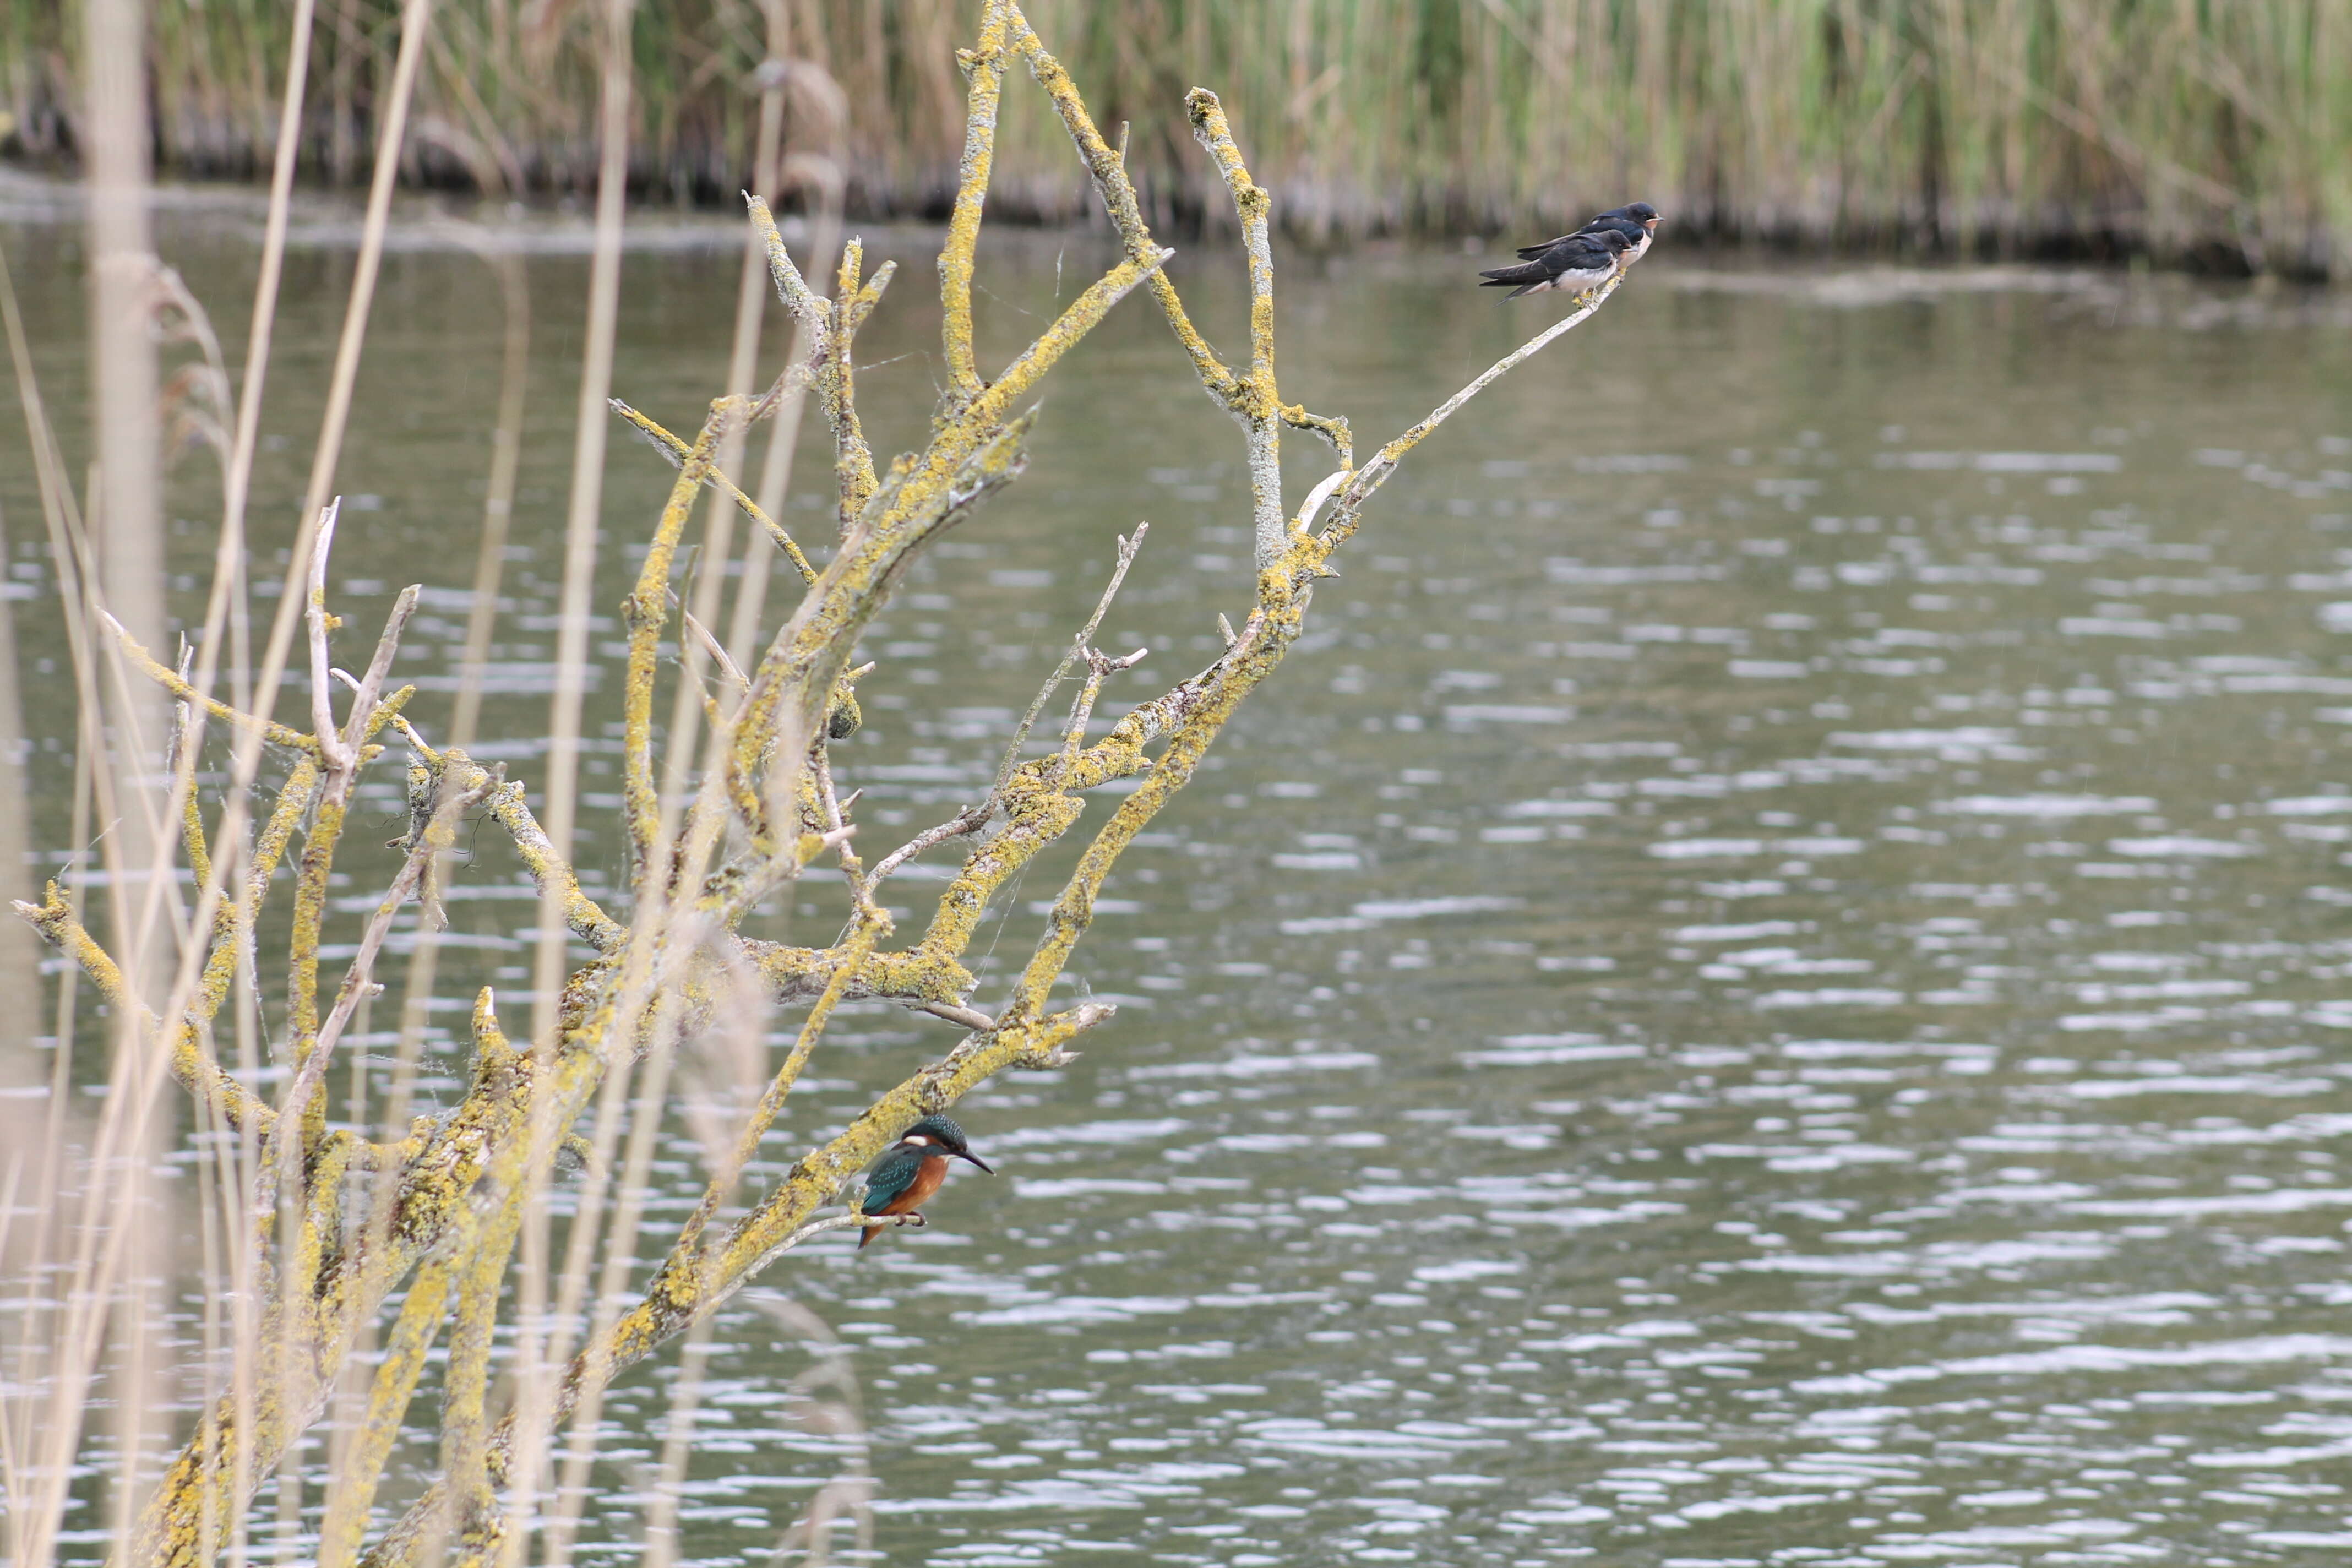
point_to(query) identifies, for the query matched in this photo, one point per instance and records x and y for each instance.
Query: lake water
(1768, 984)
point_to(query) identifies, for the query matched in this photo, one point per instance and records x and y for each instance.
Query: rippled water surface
(1768, 984)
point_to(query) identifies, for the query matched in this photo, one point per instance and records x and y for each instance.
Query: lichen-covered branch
(1259, 405)
(852, 303)
(1248, 663)
(1119, 199)
(984, 73)
(440, 837)
(1112, 183)
(450, 1198)
(678, 451)
(344, 751)
(465, 1417)
(1347, 506)
(175, 683)
(194, 1068)
(799, 973)
(794, 681)
(763, 1115)
(396, 1375)
(833, 333)
(645, 613)
(510, 809)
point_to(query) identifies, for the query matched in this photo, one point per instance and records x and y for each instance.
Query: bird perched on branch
(911, 1170)
(1637, 221)
(1573, 264)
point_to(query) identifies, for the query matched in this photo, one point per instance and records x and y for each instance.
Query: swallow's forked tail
(1524, 272)
(1527, 275)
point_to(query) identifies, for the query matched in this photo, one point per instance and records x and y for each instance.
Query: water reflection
(1767, 986)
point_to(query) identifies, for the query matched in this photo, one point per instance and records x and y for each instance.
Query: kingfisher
(1574, 264)
(911, 1170)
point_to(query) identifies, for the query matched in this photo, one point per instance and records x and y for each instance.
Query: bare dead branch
(1128, 546)
(1260, 405)
(179, 687)
(367, 692)
(358, 980)
(1358, 489)
(970, 1017)
(1099, 668)
(710, 646)
(972, 819)
(676, 451)
(322, 711)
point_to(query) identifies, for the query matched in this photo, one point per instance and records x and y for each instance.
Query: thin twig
(972, 1019)
(1128, 546)
(848, 1220)
(1100, 667)
(358, 977)
(1375, 473)
(719, 655)
(367, 692)
(852, 303)
(184, 691)
(970, 819)
(676, 450)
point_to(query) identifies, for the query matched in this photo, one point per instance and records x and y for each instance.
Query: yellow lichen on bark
(645, 612)
(983, 71)
(450, 1194)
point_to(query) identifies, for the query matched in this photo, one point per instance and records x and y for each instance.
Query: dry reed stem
(547, 1124)
(124, 537)
(497, 502)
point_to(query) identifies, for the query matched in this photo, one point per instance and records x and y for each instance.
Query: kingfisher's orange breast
(929, 1177)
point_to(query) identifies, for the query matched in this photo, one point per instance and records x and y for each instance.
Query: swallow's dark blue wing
(1581, 258)
(1609, 223)
(1526, 272)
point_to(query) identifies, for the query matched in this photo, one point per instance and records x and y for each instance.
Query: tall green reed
(2200, 130)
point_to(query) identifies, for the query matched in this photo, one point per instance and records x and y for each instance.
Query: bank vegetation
(2205, 133)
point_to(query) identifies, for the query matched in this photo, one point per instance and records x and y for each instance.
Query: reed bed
(2205, 131)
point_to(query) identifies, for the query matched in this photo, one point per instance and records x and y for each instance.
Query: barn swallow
(1572, 264)
(1637, 221)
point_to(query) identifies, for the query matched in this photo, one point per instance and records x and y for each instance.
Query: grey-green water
(1768, 985)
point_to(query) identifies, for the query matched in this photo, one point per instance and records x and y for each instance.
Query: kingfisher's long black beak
(968, 1155)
